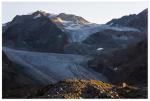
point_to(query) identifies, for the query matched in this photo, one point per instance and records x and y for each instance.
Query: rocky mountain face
(139, 21)
(16, 83)
(41, 49)
(104, 42)
(116, 34)
(124, 65)
(73, 18)
(40, 31)
(113, 39)
(39, 34)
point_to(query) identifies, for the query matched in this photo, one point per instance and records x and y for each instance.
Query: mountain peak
(73, 18)
(40, 12)
(63, 14)
(144, 12)
(138, 21)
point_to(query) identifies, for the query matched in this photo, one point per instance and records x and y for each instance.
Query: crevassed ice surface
(79, 32)
(51, 67)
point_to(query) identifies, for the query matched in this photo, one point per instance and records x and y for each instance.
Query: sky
(96, 12)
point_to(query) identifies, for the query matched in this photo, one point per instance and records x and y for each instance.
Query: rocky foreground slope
(89, 89)
(79, 89)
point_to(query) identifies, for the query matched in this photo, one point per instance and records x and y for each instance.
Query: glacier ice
(52, 67)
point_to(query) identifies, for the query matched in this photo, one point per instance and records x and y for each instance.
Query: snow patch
(37, 16)
(116, 68)
(100, 49)
(59, 20)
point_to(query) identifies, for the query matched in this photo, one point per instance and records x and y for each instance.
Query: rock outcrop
(139, 21)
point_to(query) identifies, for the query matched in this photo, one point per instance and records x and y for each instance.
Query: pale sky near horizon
(96, 12)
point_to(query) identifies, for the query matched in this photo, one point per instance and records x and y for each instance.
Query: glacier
(47, 68)
(79, 32)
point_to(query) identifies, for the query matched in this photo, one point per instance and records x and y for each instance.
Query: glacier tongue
(51, 67)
